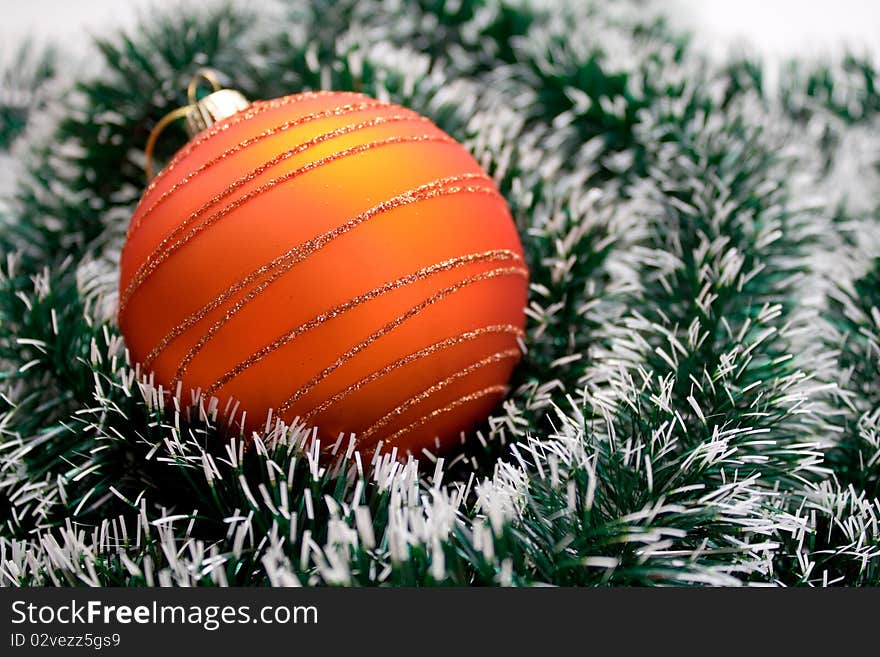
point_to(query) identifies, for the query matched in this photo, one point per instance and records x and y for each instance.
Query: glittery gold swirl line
(149, 265)
(455, 340)
(332, 112)
(161, 253)
(297, 254)
(437, 387)
(474, 396)
(372, 294)
(354, 351)
(255, 109)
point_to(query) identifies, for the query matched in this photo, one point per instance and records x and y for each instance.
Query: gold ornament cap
(212, 108)
(199, 113)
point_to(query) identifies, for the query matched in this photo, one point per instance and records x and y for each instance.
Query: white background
(773, 28)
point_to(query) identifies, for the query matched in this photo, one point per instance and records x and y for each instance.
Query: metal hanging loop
(199, 113)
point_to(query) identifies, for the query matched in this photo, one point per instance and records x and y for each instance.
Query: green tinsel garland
(699, 403)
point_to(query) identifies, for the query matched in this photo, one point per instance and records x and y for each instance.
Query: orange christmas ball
(335, 259)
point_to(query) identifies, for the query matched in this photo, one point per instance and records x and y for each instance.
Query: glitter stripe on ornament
(302, 251)
(160, 253)
(339, 309)
(474, 396)
(332, 112)
(372, 294)
(390, 326)
(255, 109)
(500, 329)
(437, 387)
